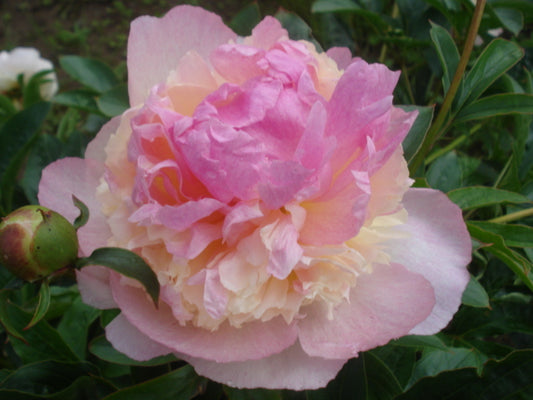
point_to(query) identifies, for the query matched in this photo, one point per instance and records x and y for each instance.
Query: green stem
(436, 131)
(383, 53)
(528, 212)
(503, 172)
(433, 156)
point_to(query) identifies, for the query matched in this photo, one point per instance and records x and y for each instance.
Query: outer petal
(439, 248)
(129, 340)
(361, 100)
(384, 305)
(252, 341)
(341, 55)
(156, 45)
(74, 176)
(93, 283)
(267, 33)
(96, 149)
(292, 369)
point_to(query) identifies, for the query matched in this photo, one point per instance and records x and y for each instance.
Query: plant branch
(528, 212)
(436, 131)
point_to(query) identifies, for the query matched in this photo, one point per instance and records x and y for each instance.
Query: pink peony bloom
(264, 182)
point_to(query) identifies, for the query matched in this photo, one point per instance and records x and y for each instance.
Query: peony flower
(35, 242)
(264, 183)
(26, 61)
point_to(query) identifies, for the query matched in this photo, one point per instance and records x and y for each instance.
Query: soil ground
(91, 28)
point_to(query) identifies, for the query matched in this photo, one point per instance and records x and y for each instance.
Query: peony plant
(264, 182)
(26, 61)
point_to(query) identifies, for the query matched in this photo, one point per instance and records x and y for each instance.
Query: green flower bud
(36, 241)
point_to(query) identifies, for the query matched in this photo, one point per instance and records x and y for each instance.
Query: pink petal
(215, 296)
(253, 340)
(239, 221)
(183, 216)
(96, 148)
(281, 181)
(190, 243)
(224, 159)
(339, 214)
(291, 369)
(156, 45)
(74, 176)
(341, 55)
(384, 305)
(313, 147)
(238, 63)
(439, 248)
(267, 33)
(130, 341)
(388, 140)
(361, 98)
(240, 106)
(281, 239)
(93, 284)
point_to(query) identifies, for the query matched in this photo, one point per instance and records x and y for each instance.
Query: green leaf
(524, 6)
(480, 196)
(89, 72)
(32, 90)
(113, 102)
(509, 378)
(41, 342)
(7, 108)
(489, 348)
(322, 6)
(84, 387)
(75, 324)
(513, 235)
(46, 376)
(296, 26)
(511, 19)
(517, 263)
(127, 263)
(42, 305)
(445, 172)
(16, 137)
(45, 150)
(364, 377)
(81, 99)
(498, 57)
(84, 213)
(447, 52)
(417, 133)
(475, 295)
(510, 314)
(432, 342)
(182, 383)
(246, 19)
(434, 361)
(102, 349)
(499, 104)
(399, 359)
(5, 318)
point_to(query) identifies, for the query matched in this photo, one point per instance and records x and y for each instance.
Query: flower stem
(528, 212)
(436, 131)
(383, 53)
(433, 156)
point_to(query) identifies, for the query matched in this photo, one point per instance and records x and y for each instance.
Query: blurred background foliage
(473, 140)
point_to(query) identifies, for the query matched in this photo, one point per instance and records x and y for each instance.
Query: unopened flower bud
(36, 241)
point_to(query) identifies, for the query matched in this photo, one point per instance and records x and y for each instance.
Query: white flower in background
(26, 61)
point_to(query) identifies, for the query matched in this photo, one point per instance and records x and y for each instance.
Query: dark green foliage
(481, 155)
